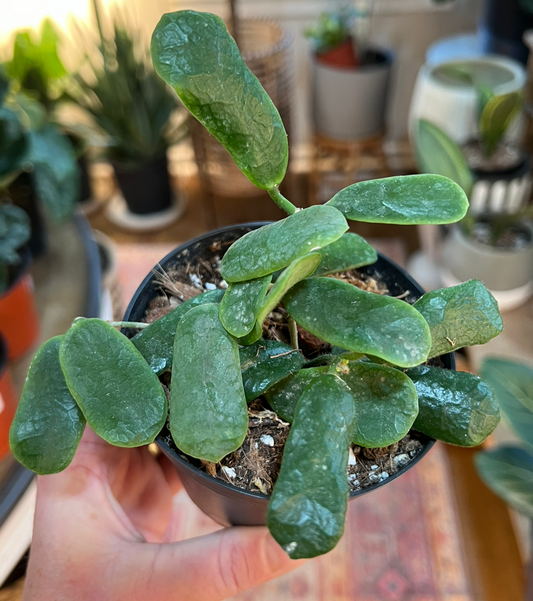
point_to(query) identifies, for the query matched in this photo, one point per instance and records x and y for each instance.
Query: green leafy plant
(126, 99)
(35, 64)
(14, 233)
(508, 469)
(332, 29)
(29, 143)
(373, 387)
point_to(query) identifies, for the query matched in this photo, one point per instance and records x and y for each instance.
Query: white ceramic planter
(350, 104)
(508, 274)
(452, 106)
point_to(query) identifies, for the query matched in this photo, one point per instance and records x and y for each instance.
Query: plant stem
(128, 324)
(293, 331)
(281, 201)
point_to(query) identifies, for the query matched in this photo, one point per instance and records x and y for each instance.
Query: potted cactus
(282, 332)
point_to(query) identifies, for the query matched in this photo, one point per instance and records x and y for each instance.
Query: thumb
(208, 568)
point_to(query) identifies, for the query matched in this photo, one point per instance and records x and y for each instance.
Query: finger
(170, 474)
(207, 568)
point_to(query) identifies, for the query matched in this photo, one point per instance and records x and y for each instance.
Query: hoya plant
(381, 379)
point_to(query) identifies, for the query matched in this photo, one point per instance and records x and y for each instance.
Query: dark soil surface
(255, 465)
(505, 157)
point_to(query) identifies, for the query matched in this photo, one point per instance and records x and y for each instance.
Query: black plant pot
(226, 504)
(146, 188)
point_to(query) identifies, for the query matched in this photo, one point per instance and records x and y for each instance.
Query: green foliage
(403, 200)
(307, 509)
(508, 470)
(208, 413)
(126, 99)
(14, 233)
(274, 246)
(358, 391)
(458, 408)
(48, 424)
(360, 321)
(437, 153)
(36, 65)
(464, 315)
(497, 114)
(348, 252)
(331, 30)
(119, 395)
(194, 53)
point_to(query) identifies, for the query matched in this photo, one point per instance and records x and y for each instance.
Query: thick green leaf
(239, 308)
(15, 230)
(156, 342)
(348, 252)
(295, 272)
(194, 53)
(496, 117)
(307, 510)
(208, 413)
(508, 472)
(512, 384)
(404, 200)
(460, 316)
(360, 321)
(57, 181)
(13, 142)
(437, 153)
(274, 246)
(48, 425)
(283, 397)
(265, 363)
(386, 403)
(456, 407)
(120, 396)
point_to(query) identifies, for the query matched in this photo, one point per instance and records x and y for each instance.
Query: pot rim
(495, 251)
(226, 486)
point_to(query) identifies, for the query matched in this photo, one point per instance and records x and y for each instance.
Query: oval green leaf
(508, 472)
(512, 384)
(265, 363)
(455, 407)
(120, 396)
(496, 116)
(437, 153)
(386, 403)
(239, 308)
(284, 396)
(194, 53)
(48, 424)
(156, 342)
(460, 316)
(295, 272)
(307, 510)
(360, 321)
(404, 200)
(208, 412)
(350, 251)
(274, 246)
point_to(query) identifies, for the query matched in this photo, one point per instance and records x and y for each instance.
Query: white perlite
(351, 457)
(267, 439)
(401, 460)
(209, 286)
(196, 281)
(229, 471)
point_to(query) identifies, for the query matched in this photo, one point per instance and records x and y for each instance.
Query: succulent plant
(372, 389)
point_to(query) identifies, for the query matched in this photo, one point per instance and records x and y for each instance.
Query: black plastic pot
(227, 504)
(146, 188)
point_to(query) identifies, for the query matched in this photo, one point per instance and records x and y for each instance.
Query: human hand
(105, 530)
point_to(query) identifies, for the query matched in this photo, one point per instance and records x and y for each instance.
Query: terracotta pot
(227, 504)
(19, 321)
(343, 56)
(8, 401)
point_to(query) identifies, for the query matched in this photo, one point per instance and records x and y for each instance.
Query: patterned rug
(401, 543)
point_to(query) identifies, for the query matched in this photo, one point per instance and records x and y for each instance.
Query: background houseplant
(132, 107)
(508, 468)
(200, 339)
(37, 163)
(350, 77)
(18, 314)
